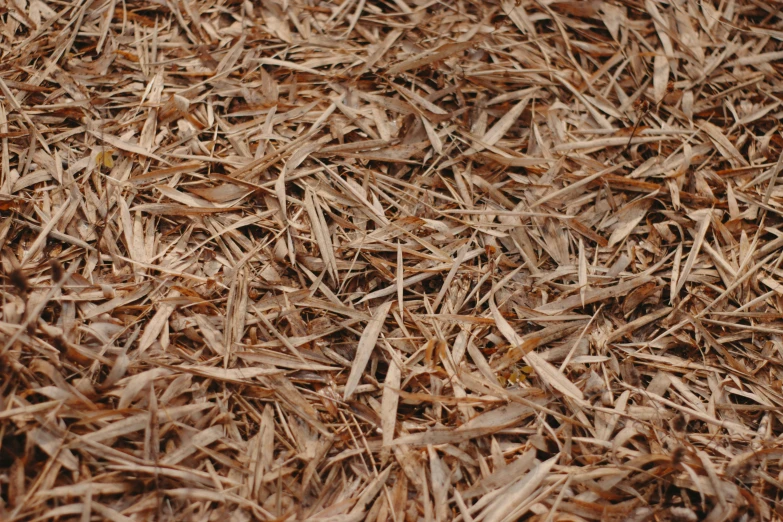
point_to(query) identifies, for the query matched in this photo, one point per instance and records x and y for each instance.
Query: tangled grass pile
(391, 260)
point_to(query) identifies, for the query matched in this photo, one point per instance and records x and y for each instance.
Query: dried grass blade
(704, 225)
(543, 369)
(428, 57)
(365, 348)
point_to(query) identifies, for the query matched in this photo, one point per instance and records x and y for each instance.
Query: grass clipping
(391, 260)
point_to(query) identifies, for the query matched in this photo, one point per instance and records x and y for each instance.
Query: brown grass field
(391, 260)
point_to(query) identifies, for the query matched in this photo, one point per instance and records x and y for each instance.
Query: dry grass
(391, 260)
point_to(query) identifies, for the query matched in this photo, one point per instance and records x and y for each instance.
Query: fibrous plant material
(391, 260)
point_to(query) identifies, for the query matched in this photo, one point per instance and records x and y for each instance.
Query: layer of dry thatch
(391, 260)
